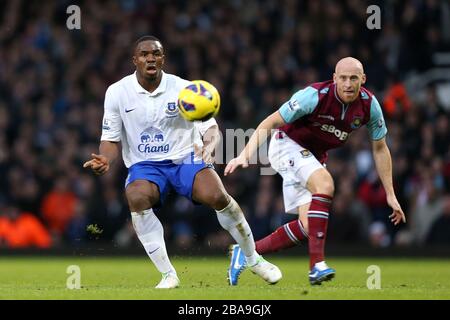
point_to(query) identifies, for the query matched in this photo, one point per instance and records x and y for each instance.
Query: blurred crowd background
(257, 53)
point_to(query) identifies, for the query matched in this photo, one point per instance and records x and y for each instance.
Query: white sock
(151, 234)
(232, 219)
(321, 265)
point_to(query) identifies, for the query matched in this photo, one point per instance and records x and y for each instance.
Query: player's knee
(138, 201)
(321, 182)
(325, 186)
(218, 200)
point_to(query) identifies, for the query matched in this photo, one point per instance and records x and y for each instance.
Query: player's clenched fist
(99, 164)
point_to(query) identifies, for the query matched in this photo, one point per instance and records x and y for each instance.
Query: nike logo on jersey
(129, 110)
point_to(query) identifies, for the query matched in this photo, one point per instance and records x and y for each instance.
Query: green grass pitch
(205, 278)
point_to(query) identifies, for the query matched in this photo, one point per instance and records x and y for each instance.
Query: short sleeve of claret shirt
(303, 102)
(376, 125)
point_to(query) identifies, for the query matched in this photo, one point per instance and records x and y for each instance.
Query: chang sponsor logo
(152, 141)
(148, 148)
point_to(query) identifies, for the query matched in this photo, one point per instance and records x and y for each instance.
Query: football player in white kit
(158, 150)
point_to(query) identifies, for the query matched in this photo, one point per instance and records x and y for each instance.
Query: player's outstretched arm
(383, 164)
(258, 137)
(100, 163)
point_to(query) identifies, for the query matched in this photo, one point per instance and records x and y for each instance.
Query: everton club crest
(171, 109)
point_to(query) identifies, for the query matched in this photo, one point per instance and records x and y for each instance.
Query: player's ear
(334, 77)
(363, 78)
(134, 60)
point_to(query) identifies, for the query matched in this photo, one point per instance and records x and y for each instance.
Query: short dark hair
(145, 38)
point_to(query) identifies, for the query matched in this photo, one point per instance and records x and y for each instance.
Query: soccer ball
(200, 100)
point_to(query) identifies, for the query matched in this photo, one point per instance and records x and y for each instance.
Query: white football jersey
(149, 124)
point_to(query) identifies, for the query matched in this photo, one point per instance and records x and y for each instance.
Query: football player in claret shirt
(316, 119)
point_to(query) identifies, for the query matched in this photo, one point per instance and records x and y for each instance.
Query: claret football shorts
(295, 164)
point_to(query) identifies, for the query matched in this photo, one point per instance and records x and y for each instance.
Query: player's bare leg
(142, 195)
(321, 186)
(209, 190)
(303, 215)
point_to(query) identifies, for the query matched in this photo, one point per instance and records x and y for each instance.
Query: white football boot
(266, 270)
(169, 281)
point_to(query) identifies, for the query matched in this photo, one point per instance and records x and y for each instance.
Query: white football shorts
(295, 164)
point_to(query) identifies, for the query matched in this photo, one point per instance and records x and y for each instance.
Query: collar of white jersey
(161, 88)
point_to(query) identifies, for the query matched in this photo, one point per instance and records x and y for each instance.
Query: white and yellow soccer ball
(200, 100)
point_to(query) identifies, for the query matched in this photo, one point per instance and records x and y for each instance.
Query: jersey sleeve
(203, 126)
(112, 122)
(303, 102)
(376, 125)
